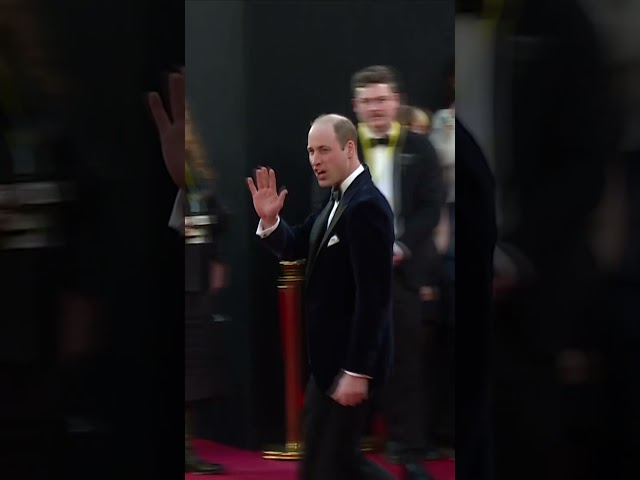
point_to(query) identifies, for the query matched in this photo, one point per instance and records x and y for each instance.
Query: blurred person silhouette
(51, 355)
(618, 238)
(552, 329)
(44, 187)
(405, 167)
(415, 119)
(438, 292)
(443, 138)
(201, 219)
(419, 121)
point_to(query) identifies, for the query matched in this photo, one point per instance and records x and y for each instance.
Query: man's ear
(351, 148)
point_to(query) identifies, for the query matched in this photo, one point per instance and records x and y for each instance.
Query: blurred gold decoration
(196, 153)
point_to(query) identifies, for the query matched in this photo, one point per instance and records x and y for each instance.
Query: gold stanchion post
(290, 286)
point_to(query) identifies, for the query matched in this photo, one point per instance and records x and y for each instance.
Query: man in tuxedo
(348, 246)
(405, 167)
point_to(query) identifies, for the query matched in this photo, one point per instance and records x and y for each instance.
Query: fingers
(272, 179)
(266, 179)
(159, 114)
(176, 95)
(252, 186)
(261, 177)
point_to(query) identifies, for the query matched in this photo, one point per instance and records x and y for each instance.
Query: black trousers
(404, 397)
(332, 439)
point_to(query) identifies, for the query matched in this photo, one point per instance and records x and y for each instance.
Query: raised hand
(266, 200)
(171, 133)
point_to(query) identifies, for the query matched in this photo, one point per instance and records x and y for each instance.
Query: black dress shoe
(415, 471)
(195, 465)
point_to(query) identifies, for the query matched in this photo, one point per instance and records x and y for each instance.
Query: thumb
(283, 195)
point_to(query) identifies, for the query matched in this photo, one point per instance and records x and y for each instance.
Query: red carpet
(247, 465)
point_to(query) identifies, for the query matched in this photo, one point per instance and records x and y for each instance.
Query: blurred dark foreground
(564, 144)
(84, 248)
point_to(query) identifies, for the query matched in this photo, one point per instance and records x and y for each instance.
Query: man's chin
(378, 124)
(323, 183)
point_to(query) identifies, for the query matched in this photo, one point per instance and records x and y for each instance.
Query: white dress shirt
(343, 188)
(264, 233)
(381, 166)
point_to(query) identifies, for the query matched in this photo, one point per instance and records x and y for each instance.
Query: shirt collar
(349, 180)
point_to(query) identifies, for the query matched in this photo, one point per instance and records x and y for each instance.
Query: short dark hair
(373, 75)
(344, 128)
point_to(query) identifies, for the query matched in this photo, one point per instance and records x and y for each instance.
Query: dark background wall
(257, 75)
(216, 86)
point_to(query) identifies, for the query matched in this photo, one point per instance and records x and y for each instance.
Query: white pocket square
(333, 240)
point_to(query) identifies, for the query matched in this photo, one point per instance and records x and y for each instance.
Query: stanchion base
(294, 451)
(287, 451)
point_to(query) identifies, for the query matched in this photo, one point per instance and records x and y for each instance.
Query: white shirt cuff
(357, 375)
(264, 233)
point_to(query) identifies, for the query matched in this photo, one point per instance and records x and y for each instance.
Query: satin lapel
(342, 206)
(316, 233)
(336, 216)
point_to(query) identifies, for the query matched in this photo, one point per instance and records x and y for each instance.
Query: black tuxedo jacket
(418, 184)
(348, 282)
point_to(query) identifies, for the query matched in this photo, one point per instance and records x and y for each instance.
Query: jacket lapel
(336, 216)
(316, 234)
(319, 227)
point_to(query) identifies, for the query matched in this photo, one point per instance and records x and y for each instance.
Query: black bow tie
(379, 141)
(336, 194)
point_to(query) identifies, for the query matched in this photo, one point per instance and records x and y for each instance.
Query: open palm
(171, 132)
(266, 200)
